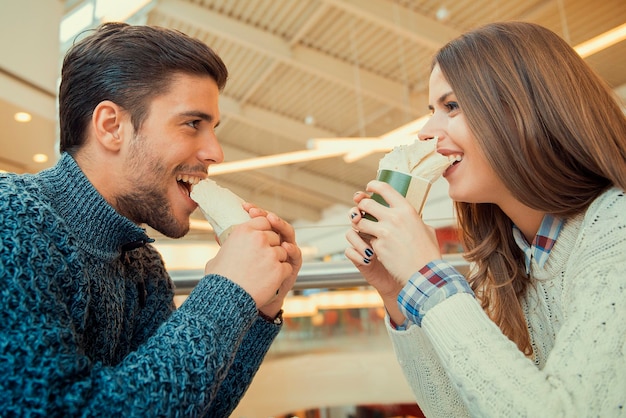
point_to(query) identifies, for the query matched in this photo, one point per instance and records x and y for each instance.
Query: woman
(538, 328)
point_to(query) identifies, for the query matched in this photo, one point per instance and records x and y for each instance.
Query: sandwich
(220, 206)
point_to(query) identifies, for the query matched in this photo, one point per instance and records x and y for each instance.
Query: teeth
(188, 179)
(455, 158)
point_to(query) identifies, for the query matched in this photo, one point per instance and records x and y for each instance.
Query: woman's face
(471, 179)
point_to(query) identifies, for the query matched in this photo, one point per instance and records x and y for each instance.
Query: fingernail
(362, 213)
(352, 215)
(366, 260)
(369, 252)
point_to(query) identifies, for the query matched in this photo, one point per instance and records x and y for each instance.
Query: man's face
(172, 151)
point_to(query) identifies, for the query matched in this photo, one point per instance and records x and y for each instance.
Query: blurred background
(319, 90)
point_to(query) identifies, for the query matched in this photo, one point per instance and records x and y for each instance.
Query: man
(88, 324)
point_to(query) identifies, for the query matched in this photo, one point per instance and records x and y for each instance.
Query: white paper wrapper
(411, 170)
(414, 188)
(221, 207)
(420, 159)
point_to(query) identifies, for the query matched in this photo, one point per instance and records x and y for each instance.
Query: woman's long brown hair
(553, 132)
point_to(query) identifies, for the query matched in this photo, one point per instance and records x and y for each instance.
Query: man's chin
(173, 230)
(176, 234)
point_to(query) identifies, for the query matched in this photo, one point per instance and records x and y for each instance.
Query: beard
(150, 207)
(147, 201)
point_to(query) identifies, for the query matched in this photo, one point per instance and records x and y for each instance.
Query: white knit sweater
(460, 364)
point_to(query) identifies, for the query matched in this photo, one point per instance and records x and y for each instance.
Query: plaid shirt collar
(542, 244)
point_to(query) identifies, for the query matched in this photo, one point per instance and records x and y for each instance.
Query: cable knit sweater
(87, 329)
(460, 364)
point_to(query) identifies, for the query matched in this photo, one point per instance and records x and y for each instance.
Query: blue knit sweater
(88, 329)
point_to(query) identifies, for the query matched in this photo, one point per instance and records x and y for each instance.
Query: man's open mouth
(186, 181)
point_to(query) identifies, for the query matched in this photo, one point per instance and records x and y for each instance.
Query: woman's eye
(451, 106)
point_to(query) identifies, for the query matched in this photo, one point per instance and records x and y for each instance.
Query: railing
(314, 275)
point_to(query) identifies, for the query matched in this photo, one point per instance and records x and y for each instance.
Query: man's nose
(211, 150)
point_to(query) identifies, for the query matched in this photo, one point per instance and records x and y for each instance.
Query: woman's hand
(400, 239)
(363, 257)
(365, 260)
(389, 251)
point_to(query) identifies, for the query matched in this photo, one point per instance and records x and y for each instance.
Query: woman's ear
(107, 123)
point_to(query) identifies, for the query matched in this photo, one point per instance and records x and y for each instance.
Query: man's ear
(108, 124)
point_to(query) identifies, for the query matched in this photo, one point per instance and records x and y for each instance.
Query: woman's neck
(526, 219)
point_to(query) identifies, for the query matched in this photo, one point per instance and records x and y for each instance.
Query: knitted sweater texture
(460, 364)
(87, 329)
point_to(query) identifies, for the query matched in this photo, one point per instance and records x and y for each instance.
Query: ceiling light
(22, 117)
(40, 158)
(272, 160)
(442, 14)
(602, 41)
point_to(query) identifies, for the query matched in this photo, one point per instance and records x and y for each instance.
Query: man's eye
(194, 123)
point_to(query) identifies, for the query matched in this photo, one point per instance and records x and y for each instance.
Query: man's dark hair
(128, 65)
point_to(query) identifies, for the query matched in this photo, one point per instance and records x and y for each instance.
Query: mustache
(188, 168)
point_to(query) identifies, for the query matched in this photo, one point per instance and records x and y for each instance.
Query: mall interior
(318, 92)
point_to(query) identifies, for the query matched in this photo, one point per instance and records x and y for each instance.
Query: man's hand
(261, 256)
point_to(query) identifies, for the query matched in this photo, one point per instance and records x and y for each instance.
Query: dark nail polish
(352, 215)
(366, 260)
(369, 252)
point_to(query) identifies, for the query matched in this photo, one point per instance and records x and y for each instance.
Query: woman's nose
(428, 131)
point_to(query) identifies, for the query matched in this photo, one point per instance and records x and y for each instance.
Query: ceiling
(302, 69)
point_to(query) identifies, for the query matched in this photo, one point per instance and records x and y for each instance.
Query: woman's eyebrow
(444, 96)
(440, 100)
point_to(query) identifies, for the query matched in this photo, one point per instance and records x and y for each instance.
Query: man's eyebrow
(441, 99)
(200, 115)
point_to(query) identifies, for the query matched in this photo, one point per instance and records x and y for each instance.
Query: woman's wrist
(396, 316)
(435, 282)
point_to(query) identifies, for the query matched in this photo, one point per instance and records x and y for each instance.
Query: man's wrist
(276, 319)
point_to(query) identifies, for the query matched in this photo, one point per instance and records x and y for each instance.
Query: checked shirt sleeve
(435, 282)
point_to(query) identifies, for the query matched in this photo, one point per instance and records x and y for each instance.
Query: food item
(411, 170)
(221, 207)
(419, 159)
